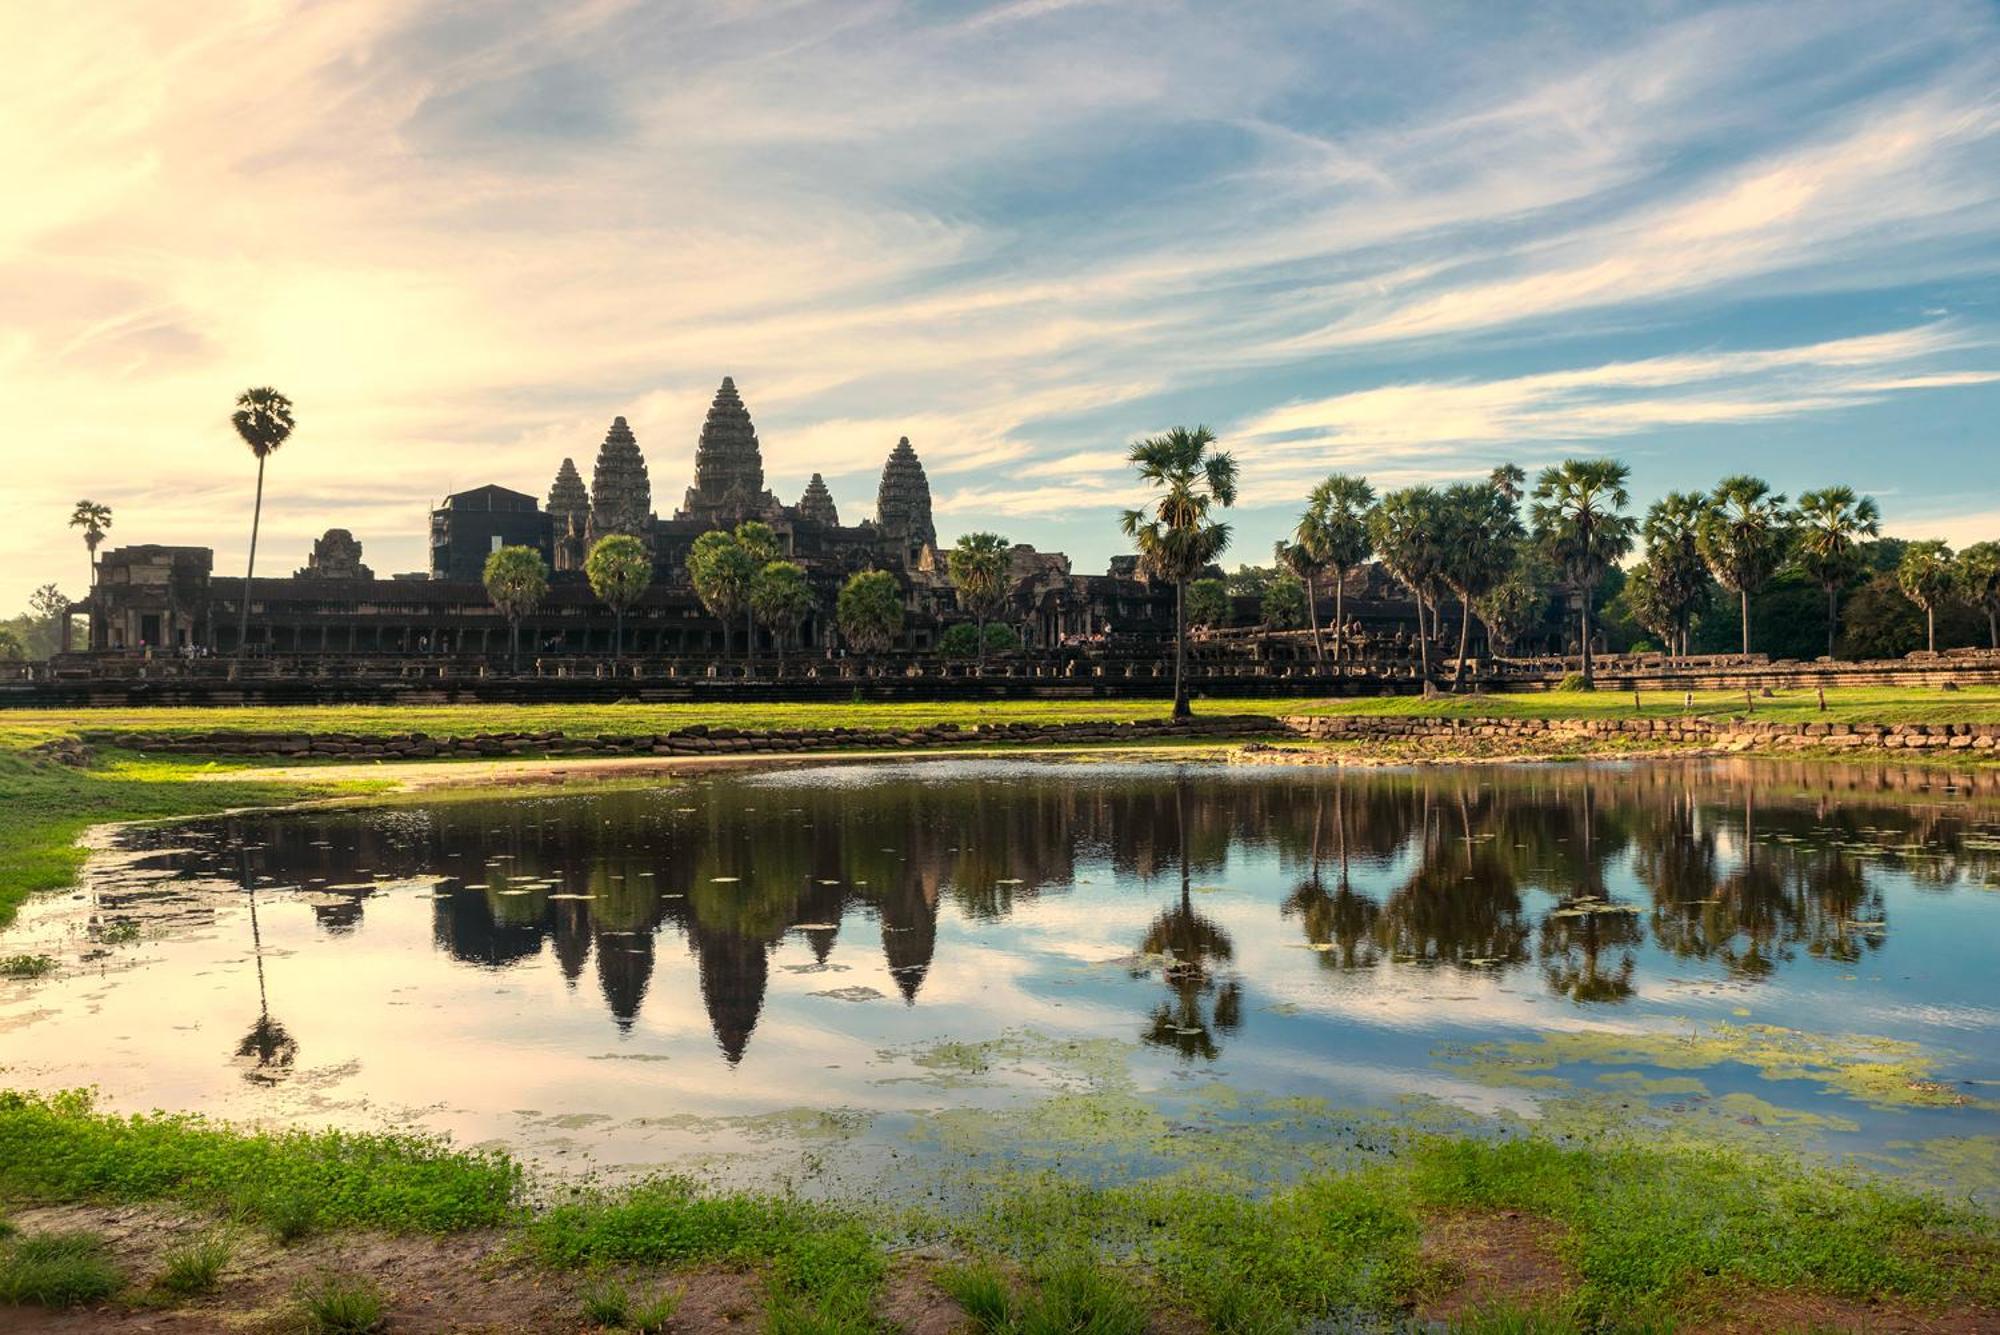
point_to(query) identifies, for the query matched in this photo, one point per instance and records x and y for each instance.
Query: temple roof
(728, 463)
(567, 496)
(817, 504)
(903, 501)
(621, 494)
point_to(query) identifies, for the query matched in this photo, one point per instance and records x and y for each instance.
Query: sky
(1409, 240)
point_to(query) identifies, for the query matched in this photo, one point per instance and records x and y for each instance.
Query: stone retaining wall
(696, 739)
(1722, 734)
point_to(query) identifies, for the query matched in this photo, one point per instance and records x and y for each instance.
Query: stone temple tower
(569, 509)
(903, 505)
(817, 504)
(728, 465)
(621, 495)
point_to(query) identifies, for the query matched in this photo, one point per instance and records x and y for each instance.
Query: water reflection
(1582, 881)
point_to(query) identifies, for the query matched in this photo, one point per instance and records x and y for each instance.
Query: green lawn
(1860, 705)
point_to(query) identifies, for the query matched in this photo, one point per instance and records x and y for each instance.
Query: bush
(341, 1305)
(962, 640)
(26, 966)
(1574, 682)
(196, 1267)
(58, 1270)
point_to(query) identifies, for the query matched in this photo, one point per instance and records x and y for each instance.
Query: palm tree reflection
(1187, 945)
(268, 1051)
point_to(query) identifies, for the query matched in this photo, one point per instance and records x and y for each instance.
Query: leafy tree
(1648, 604)
(517, 579)
(978, 565)
(1248, 581)
(1298, 565)
(1580, 523)
(780, 599)
(48, 604)
(963, 640)
(1832, 522)
(759, 542)
(264, 419)
(1334, 533)
(1208, 603)
(1476, 550)
(619, 569)
(721, 571)
(1928, 579)
(1518, 601)
(1181, 537)
(1284, 605)
(11, 648)
(1979, 580)
(1676, 579)
(871, 610)
(1404, 528)
(93, 519)
(1743, 538)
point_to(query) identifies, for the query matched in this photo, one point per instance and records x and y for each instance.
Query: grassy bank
(1613, 1237)
(19, 728)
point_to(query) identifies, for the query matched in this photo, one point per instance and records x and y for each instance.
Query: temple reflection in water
(1571, 877)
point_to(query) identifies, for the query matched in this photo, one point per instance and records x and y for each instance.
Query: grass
(195, 1268)
(608, 1304)
(58, 1270)
(1650, 1233)
(335, 1304)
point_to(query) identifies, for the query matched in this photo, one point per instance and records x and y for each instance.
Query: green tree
(978, 565)
(1284, 604)
(264, 419)
(870, 610)
(1404, 528)
(619, 569)
(759, 542)
(1581, 525)
(1334, 532)
(1676, 578)
(1476, 550)
(48, 608)
(93, 519)
(1181, 537)
(1510, 481)
(780, 599)
(1928, 579)
(721, 572)
(1743, 537)
(1518, 602)
(1979, 581)
(11, 648)
(517, 579)
(1831, 524)
(1208, 603)
(963, 640)
(1298, 564)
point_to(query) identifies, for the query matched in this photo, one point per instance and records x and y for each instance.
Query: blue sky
(1406, 240)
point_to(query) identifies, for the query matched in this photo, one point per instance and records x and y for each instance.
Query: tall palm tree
(619, 569)
(1927, 577)
(1677, 578)
(93, 519)
(516, 579)
(780, 598)
(1832, 522)
(1405, 528)
(1298, 561)
(1510, 481)
(721, 572)
(1335, 533)
(978, 566)
(1481, 531)
(1979, 575)
(264, 419)
(1580, 522)
(1179, 538)
(759, 542)
(1743, 538)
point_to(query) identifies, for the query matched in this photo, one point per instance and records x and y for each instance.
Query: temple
(170, 599)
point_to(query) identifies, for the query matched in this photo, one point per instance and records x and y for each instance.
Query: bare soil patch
(1497, 1256)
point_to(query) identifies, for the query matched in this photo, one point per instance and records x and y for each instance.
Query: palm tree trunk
(1464, 633)
(1744, 598)
(1930, 627)
(979, 649)
(513, 646)
(1589, 669)
(1832, 616)
(1181, 709)
(749, 636)
(1340, 615)
(618, 634)
(1993, 627)
(1312, 612)
(256, 518)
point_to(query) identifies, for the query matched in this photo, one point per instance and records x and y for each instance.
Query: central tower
(728, 466)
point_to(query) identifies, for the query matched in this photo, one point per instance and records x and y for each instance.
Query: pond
(838, 976)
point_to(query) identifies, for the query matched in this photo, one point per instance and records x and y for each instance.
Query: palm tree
(721, 572)
(1580, 522)
(1516, 603)
(1509, 481)
(1179, 540)
(1404, 528)
(1677, 579)
(264, 419)
(619, 569)
(1927, 577)
(1743, 537)
(93, 519)
(1481, 531)
(1334, 532)
(780, 598)
(1832, 522)
(517, 579)
(759, 542)
(1979, 577)
(870, 610)
(1300, 567)
(978, 566)
(1283, 606)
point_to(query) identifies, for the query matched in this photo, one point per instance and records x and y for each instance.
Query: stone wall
(1720, 734)
(696, 739)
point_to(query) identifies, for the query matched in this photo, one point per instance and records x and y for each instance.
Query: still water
(815, 974)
